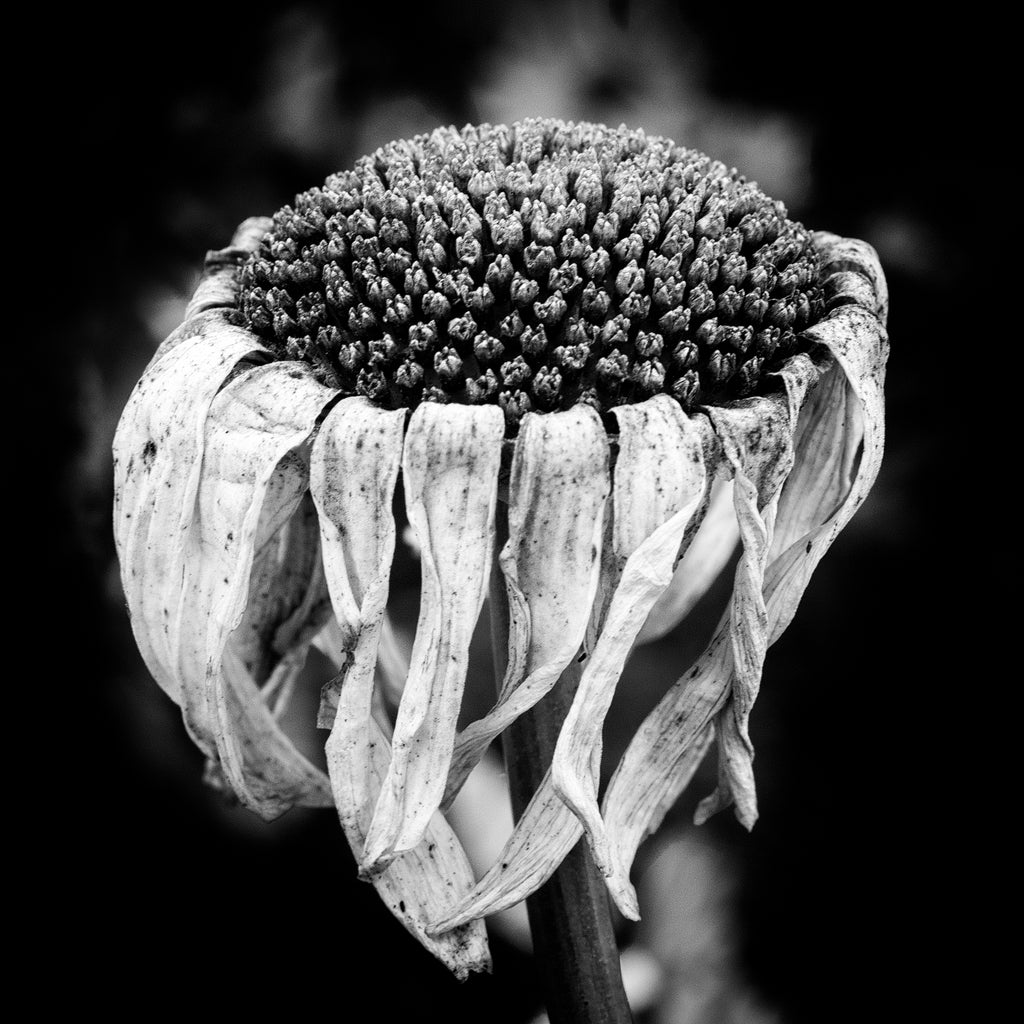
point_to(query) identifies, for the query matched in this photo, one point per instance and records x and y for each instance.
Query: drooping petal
(253, 479)
(214, 303)
(844, 256)
(648, 779)
(660, 484)
(543, 836)
(757, 439)
(158, 453)
(551, 562)
(450, 470)
(392, 663)
(353, 470)
(860, 347)
(660, 470)
(288, 603)
(706, 557)
(218, 287)
(841, 451)
(661, 759)
(285, 610)
(354, 467)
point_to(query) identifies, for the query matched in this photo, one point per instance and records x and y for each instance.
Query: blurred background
(167, 131)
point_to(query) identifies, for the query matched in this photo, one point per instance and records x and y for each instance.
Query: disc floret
(535, 267)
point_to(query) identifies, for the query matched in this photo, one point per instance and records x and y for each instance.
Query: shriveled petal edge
(354, 468)
(661, 484)
(757, 438)
(253, 466)
(450, 466)
(216, 297)
(855, 337)
(157, 449)
(551, 562)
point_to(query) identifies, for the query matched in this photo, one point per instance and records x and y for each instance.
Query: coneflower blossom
(624, 343)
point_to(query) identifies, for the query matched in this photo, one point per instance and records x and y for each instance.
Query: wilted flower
(624, 342)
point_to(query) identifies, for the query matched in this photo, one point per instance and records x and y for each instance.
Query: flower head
(628, 342)
(536, 268)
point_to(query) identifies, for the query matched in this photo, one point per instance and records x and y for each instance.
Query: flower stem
(570, 915)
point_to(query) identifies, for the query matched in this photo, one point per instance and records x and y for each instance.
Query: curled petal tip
(625, 898)
(705, 809)
(449, 924)
(367, 873)
(376, 864)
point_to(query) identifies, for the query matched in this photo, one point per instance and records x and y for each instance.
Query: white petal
(287, 604)
(661, 759)
(450, 469)
(706, 557)
(219, 285)
(660, 469)
(392, 664)
(551, 563)
(215, 302)
(158, 450)
(525, 863)
(354, 466)
(424, 884)
(660, 484)
(859, 345)
(267, 773)
(353, 469)
(851, 255)
(757, 440)
(253, 479)
(648, 779)
(482, 818)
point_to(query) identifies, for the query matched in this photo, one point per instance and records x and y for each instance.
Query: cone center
(535, 266)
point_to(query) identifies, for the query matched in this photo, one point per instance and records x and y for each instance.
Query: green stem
(570, 915)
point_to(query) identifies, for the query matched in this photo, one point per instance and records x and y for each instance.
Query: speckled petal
(288, 603)
(253, 479)
(158, 453)
(661, 759)
(450, 472)
(859, 345)
(551, 562)
(660, 485)
(353, 471)
(215, 301)
(705, 559)
(218, 287)
(542, 838)
(855, 337)
(757, 439)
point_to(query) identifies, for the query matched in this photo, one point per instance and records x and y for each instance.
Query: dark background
(154, 136)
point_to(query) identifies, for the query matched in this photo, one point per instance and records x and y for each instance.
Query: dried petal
(158, 452)
(253, 479)
(354, 467)
(660, 483)
(218, 287)
(707, 555)
(649, 777)
(525, 863)
(757, 439)
(551, 561)
(288, 603)
(450, 469)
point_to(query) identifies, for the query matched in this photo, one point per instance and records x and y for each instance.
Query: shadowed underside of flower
(449, 311)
